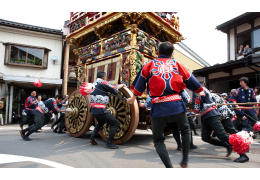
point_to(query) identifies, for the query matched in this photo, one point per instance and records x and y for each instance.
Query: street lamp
(54, 58)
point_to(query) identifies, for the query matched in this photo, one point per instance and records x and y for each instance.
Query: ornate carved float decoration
(119, 43)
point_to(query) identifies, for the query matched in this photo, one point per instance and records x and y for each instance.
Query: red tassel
(38, 83)
(257, 126)
(86, 89)
(240, 142)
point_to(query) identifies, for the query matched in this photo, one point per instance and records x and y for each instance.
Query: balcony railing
(80, 19)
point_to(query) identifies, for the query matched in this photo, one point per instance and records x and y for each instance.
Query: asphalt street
(52, 150)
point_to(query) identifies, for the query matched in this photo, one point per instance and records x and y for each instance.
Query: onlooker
(39, 99)
(257, 91)
(1, 117)
(228, 97)
(232, 91)
(224, 95)
(247, 51)
(241, 50)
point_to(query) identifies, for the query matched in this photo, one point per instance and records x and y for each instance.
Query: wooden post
(19, 104)
(65, 69)
(6, 108)
(11, 104)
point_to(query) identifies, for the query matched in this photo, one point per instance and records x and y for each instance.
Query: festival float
(119, 43)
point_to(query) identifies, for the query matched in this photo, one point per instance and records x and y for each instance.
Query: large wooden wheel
(79, 120)
(126, 114)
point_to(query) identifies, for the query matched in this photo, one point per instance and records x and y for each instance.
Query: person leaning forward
(99, 100)
(42, 112)
(166, 78)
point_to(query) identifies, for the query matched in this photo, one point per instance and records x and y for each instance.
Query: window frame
(240, 34)
(45, 55)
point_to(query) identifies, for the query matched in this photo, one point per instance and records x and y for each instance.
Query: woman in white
(1, 117)
(257, 96)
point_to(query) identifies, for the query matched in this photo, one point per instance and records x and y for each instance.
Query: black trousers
(228, 126)
(39, 122)
(109, 119)
(213, 123)
(29, 120)
(176, 134)
(46, 119)
(62, 122)
(158, 125)
(192, 125)
(250, 117)
(57, 121)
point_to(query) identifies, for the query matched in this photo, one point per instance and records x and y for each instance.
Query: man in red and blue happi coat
(244, 95)
(210, 118)
(30, 105)
(42, 114)
(98, 101)
(164, 79)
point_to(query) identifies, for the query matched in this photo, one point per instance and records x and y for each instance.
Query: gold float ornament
(132, 58)
(122, 112)
(133, 18)
(76, 119)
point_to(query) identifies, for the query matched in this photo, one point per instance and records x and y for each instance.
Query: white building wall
(25, 37)
(232, 44)
(2, 90)
(243, 28)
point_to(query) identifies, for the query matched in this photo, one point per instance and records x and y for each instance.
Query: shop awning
(25, 79)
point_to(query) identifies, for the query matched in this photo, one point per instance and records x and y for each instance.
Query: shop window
(26, 56)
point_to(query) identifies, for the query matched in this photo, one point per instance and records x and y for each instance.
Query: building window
(256, 38)
(26, 56)
(244, 39)
(251, 38)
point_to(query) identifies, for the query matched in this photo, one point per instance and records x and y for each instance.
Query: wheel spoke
(75, 122)
(121, 111)
(116, 99)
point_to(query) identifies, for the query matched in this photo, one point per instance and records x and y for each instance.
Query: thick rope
(229, 108)
(238, 103)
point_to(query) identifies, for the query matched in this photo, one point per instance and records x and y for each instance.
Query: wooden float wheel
(79, 120)
(126, 114)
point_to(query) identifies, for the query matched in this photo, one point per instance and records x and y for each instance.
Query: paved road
(48, 150)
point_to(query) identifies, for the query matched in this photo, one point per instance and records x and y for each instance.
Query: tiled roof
(30, 27)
